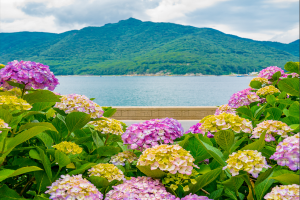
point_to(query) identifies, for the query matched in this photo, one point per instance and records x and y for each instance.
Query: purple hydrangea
(195, 197)
(270, 71)
(195, 129)
(140, 188)
(243, 98)
(287, 152)
(152, 133)
(31, 74)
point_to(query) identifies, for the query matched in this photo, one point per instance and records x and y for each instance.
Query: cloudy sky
(273, 20)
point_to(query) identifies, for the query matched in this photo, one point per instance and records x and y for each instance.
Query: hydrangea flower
(269, 72)
(261, 80)
(121, 158)
(195, 197)
(108, 126)
(3, 125)
(173, 180)
(247, 160)
(79, 103)
(287, 152)
(140, 188)
(224, 121)
(195, 129)
(13, 103)
(108, 171)
(73, 187)
(243, 98)
(152, 133)
(32, 74)
(68, 148)
(169, 158)
(290, 192)
(272, 128)
(225, 109)
(267, 90)
(294, 75)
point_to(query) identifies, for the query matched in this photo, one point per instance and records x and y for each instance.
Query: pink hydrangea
(286, 192)
(152, 133)
(287, 152)
(140, 188)
(243, 98)
(195, 197)
(31, 74)
(225, 109)
(195, 129)
(270, 71)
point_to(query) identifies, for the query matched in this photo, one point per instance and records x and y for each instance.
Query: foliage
(43, 146)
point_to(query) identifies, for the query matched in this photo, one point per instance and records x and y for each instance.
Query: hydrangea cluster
(68, 148)
(16, 91)
(152, 133)
(269, 72)
(224, 121)
(3, 125)
(195, 129)
(261, 80)
(243, 98)
(79, 103)
(140, 188)
(173, 180)
(13, 103)
(108, 171)
(267, 90)
(121, 158)
(287, 152)
(73, 187)
(290, 192)
(225, 109)
(108, 126)
(32, 74)
(294, 75)
(272, 128)
(195, 197)
(171, 158)
(247, 160)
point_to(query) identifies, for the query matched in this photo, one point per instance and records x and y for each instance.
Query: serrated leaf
(255, 84)
(274, 113)
(41, 96)
(225, 139)
(245, 111)
(289, 85)
(292, 67)
(257, 145)
(294, 110)
(288, 179)
(30, 125)
(82, 168)
(61, 159)
(76, 120)
(271, 99)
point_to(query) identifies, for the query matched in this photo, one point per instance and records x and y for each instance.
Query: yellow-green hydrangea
(261, 80)
(250, 161)
(224, 121)
(3, 125)
(108, 126)
(68, 148)
(121, 158)
(108, 171)
(290, 192)
(267, 90)
(169, 158)
(173, 180)
(13, 103)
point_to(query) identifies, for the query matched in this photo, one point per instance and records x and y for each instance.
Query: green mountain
(132, 46)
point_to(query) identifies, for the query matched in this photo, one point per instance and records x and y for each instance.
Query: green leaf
(46, 139)
(21, 86)
(288, 179)
(30, 125)
(225, 139)
(271, 99)
(109, 112)
(289, 85)
(42, 106)
(8, 194)
(41, 96)
(237, 144)
(255, 84)
(292, 67)
(234, 183)
(62, 159)
(276, 76)
(97, 140)
(7, 173)
(107, 151)
(40, 198)
(157, 173)
(81, 169)
(275, 113)
(42, 181)
(76, 120)
(46, 162)
(204, 180)
(99, 182)
(245, 111)
(263, 176)
(294, 109)
(34, 154)
(262, 187)
(259, 111)
(295, 127)
(5, 115)
(216, 194)
(257, 145)
(60, 126)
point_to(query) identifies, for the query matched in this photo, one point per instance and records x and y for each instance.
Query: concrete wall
(149, 112)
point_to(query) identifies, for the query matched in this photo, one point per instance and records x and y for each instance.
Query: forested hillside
(132, 46)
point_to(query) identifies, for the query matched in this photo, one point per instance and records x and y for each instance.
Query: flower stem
(106, 139)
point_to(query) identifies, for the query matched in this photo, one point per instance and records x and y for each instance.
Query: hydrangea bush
(55, 146)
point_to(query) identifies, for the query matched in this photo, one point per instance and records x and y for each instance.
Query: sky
(268, 20)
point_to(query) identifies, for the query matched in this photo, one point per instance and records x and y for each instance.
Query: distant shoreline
(147, 75)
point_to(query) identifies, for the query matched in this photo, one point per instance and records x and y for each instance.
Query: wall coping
(152, 112)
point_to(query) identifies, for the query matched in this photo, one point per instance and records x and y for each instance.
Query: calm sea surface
(154, 91)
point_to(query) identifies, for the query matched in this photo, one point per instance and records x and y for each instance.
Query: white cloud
(287, 36)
